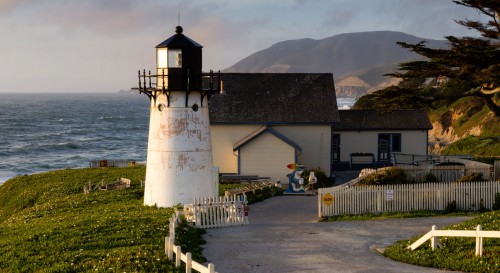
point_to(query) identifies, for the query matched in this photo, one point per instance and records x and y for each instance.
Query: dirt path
(284, 236)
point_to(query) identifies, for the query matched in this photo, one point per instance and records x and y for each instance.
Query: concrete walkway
(284, 236)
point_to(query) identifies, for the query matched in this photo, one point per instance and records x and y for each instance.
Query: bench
(225, 178)
(360, 160)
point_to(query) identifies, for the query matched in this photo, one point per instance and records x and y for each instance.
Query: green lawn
(456, 253)
(47, 224)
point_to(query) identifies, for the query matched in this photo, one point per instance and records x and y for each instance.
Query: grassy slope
(47, 224)
(475, 113)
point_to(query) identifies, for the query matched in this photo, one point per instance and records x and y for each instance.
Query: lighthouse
(179, 154)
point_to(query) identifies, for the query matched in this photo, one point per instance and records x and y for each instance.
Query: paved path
(284, 236)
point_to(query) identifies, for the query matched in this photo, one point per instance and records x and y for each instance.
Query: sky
(99, 45)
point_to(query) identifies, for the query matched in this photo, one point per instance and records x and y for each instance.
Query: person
(277, 184)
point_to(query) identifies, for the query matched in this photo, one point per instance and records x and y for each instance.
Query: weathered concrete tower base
(179, 159)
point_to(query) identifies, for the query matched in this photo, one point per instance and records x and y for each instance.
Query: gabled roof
(275, 98)
(395, 120)
(261, 131)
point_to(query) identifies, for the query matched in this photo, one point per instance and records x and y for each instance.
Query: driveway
(285, 236)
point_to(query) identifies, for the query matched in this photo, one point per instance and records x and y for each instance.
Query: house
(266, 121)
(362, 133)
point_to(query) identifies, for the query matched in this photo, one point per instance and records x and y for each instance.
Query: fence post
(166, 245)
(479, 241)
(178, 254)
(172, 230)
(170, 248)
(211, 268)
(188, 262)
(434, 239)
(319, 203)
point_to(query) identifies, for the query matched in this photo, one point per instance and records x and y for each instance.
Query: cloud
(7, 6)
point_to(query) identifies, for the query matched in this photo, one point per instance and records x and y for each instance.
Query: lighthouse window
(161, 56)
(174, 58)
(161, 106)
(195, 107)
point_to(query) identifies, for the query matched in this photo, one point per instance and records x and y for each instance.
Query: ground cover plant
(263, 194)
(456, 253)
(47, 224)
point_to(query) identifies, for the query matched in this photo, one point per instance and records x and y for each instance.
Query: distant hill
(354, 58)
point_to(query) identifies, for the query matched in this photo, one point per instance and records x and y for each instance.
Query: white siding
(223, 139)
(266, 155)
(315, 141)
(357, 142)
(412, 142)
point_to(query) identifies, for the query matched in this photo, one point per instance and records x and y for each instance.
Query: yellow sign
(327, 199)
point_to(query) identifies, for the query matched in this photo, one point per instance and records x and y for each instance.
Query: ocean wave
(68, 131)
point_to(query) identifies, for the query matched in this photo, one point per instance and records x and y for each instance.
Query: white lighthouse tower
(179, 159)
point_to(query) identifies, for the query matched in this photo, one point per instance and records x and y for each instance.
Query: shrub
(482, 208)
(263, 194)
(389, 177)
(429, 178)
(451, 206)
(323, 180)
(472, 177)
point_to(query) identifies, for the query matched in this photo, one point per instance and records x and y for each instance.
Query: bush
(263, 194)
(451, 207)
(323, 180)
(429, 178)
(472, 177)
(389, 177)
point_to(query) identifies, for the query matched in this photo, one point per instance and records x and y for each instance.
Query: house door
(384, 150)
(335, 148)
(387, 144)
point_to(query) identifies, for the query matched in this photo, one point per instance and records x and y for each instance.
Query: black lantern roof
(179, 40)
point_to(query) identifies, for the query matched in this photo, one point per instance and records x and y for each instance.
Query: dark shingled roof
(178, 40)
(395, 120)
(275, 98)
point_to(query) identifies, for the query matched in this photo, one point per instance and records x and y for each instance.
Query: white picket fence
(350, 199)
(434, 235)
(171, 249)
(223, 211)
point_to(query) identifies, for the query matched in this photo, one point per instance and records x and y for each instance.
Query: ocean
(42, 132)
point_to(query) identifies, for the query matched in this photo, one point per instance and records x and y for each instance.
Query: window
(174, 58)
(396, 142)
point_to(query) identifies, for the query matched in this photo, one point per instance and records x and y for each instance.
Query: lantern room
(178, 63)
(179, 69)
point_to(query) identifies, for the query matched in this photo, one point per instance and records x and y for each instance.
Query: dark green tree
(468, 67)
